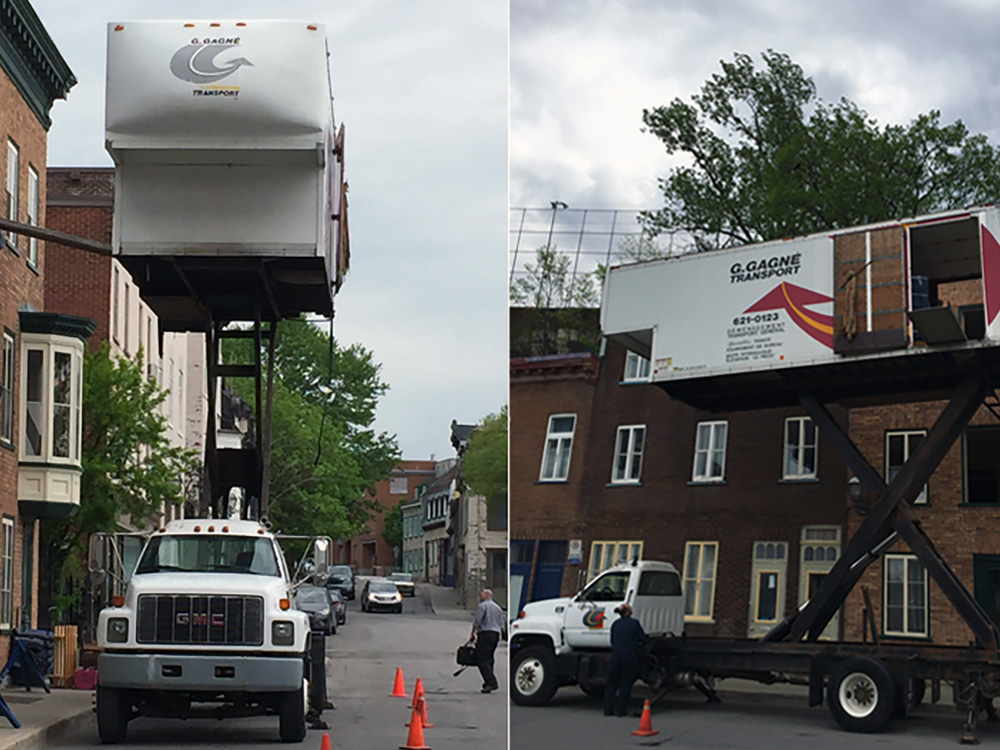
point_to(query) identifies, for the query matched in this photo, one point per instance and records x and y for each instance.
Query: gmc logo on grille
(216, 620)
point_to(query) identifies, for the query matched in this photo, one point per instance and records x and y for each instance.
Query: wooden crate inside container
(64, 662)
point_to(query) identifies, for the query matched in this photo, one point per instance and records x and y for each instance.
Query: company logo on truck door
(795, 300)
(594, 619)
(196, 63)
(757, 270)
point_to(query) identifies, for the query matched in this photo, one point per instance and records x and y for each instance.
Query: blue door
(522, 554)
(549, 570)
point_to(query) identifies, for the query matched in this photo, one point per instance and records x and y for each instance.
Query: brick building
(749, 506)
(42, 352)
(368, 552)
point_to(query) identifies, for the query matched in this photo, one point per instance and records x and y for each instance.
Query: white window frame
(13, 180)
(707, 474)
(910, 563)
(906, 435)
(796, 453)
(558, 451)
(637, 368)
(115, 312)
(626, 467)
(7, 573)
(46, 413)
(697, 578)
(604, 554)
(7, 388)
(33, 199)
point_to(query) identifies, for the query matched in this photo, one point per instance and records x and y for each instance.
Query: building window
(13, 169)
(7, 392)
(558, 444)
(397, 486)
(628, 454)
(699, 579)
(982, 470)
(636, 368)
(899, 446)
(7, 574)
(800, 448)
(125, 312)
(115, 314)
(52, 377)
(905, 596)
(33, 215)
(605, 554)
(710, 452)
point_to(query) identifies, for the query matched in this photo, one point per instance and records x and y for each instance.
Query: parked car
(378, 593)
(339, 606)
(316, 602)
(341, 578)
(404, 582)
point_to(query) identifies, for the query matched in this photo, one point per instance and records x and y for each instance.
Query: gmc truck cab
(558, 642)
(206, 627)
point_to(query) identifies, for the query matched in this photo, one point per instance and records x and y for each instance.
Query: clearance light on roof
(225, 529)
(118, 601)
(211, 528)
(260, 531)
(241, 24)
(119, 27)
(215, 25)
(197, 528)
(189, 26)
(312, 27)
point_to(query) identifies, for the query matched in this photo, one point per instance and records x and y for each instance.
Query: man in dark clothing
(627, 637)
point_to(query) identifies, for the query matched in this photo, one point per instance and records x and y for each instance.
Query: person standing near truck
(486, 629)
(627, 637)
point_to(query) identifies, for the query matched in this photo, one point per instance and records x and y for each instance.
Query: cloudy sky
(583, 71)
(421, 87)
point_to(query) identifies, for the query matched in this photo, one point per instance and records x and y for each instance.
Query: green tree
(485, 462)
(325, 457)
(768, 159)
(130, 468)
(393, 530)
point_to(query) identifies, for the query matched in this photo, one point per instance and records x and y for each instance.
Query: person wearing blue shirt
(627, 637)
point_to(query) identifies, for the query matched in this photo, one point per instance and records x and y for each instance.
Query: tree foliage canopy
(486, 457)
(392, 532)
(769, 159)
(325, 457)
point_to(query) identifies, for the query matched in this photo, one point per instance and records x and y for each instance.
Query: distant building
(435, 502)
(413, 538)
(368, 552)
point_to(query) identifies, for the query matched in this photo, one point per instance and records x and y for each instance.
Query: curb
(40, 737)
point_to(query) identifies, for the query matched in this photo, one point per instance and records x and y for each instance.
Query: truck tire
(861, 695)
(533, 676)
(112, 714)
(593, 688)
(292, 716)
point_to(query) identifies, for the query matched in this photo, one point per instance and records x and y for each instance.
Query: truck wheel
(861, 695)
(533, 676)
(292, 716)
(112, 714)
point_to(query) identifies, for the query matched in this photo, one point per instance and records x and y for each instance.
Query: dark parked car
(404, 582)
(315, 601)
(339, 606)
(379, 593)
(341, 578)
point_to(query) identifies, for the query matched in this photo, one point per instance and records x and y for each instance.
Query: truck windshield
(209, 554)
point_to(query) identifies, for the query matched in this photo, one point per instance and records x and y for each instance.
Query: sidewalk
(444, 602)
(44, 716)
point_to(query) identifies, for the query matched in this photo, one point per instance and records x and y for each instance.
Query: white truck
(206, 627)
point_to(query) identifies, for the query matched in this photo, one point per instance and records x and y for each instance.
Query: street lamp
(856, 493)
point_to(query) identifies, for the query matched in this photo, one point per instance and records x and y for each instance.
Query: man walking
(627, 636)
(486, 630)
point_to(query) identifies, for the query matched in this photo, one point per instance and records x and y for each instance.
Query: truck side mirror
(321, 556)
(97, 552)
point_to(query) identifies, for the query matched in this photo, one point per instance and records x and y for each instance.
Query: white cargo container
(229, 184)
(814, 310)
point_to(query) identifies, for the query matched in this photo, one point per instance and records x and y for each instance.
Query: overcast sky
(582, 72)
(421, 87)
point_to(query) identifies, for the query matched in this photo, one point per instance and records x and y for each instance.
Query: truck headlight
(282, 633)
(117, 630)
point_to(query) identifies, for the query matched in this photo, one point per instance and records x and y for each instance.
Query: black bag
(466, 656)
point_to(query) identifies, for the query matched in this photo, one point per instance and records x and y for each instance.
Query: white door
(768, 574)
(591, 612)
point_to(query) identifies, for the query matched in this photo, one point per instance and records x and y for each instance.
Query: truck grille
(179, 618)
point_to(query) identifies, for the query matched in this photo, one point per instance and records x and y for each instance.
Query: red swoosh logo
(794, 300)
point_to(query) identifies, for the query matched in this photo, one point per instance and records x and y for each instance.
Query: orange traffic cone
(645, 723)
(422, 710)
(418, 691)
(325, 744)
(398, 688)
(415, 740)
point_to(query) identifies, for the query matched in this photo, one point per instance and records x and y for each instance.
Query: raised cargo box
(229, 187)
(898, 309)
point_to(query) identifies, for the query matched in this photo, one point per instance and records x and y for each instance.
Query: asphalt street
(361, 663)
(742, 721)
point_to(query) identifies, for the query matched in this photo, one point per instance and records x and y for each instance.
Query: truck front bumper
(200, 672)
